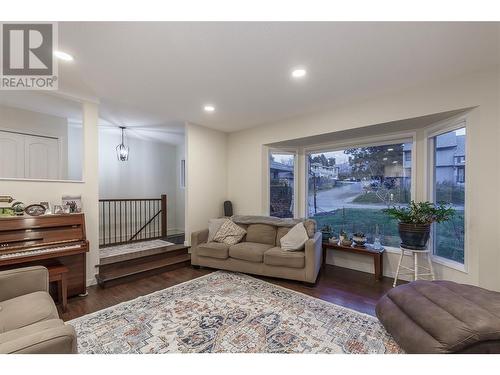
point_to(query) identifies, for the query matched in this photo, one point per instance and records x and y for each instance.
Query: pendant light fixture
(121, 149)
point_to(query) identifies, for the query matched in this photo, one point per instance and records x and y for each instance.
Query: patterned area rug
(134, 247)
(230, 312)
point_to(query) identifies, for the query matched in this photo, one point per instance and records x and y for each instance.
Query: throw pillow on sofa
(295, 239)
(229, 233)
(213, 227)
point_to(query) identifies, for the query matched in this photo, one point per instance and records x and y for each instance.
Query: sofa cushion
(250, 251)
(213, 227)
(229, 233)
(24, 310)
(213, 250)
(280, 233)
(261, 233)
(276, 256)
(295, 238)
(310, 226)
(30, 329)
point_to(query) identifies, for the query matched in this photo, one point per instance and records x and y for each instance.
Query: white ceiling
(158, 75)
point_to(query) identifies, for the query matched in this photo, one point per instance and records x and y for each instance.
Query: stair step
(146, 265)
(141, 254)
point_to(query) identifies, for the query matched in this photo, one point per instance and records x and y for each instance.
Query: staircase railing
(123, 221)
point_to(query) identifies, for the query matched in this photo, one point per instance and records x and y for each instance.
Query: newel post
(164, 215)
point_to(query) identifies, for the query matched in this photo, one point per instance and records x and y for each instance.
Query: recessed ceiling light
(299, 73)
(209, 108)
(395, 162)
(390, 149)
(384, 159)
(63, 56)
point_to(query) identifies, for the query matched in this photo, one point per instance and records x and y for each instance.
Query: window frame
(431, 133)
(283, 151)
(404, 137)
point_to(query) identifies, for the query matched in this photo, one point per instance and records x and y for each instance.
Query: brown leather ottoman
(442, 317)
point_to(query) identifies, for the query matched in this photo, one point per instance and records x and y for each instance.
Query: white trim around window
(437, 129)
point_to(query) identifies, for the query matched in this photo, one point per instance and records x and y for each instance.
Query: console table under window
(377, 255)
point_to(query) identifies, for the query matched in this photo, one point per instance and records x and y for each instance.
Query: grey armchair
(29, 322)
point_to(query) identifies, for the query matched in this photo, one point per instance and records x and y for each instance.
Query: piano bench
(59, 274)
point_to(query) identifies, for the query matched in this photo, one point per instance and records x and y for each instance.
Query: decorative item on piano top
(6, 199)
(47, 207)
(58, 209)
(35, 210)
(6, 211)
(72, 204)
(18, 208)
(359, 239)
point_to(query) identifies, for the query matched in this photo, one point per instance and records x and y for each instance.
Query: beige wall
(246, 154)
(206, 177)
(37, 191)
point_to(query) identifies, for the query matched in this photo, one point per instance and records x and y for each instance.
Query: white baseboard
(91, 281)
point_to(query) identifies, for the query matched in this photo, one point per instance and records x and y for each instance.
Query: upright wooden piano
(46, 240)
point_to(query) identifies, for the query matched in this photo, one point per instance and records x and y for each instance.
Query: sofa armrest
(198, 237)
(314, 257)
(21, 281)
(57, 340)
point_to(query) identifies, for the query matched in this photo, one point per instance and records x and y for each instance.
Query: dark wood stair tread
(149, 263)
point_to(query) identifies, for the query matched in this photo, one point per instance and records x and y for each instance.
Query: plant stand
(417, 271)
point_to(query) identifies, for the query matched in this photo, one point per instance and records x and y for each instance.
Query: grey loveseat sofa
(259, 252)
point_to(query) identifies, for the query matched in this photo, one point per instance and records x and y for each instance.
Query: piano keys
(46, 240)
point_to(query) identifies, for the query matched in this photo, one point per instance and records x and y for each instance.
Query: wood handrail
(129, 199)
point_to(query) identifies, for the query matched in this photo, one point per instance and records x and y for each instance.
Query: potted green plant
(415, 221)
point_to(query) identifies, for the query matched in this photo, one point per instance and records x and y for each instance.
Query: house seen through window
(449, 187)
(281, 184)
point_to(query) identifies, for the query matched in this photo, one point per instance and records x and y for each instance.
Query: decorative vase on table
(359, 239)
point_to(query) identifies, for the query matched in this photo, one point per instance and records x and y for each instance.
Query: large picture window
(281, 184)
(348, 189)
(449, 187)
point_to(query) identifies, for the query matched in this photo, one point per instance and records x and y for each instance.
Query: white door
(41, 157)
(11, 155)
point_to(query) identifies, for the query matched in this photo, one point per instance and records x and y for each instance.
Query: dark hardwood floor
(342, 286)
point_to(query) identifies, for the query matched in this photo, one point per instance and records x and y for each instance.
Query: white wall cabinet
(29, 156)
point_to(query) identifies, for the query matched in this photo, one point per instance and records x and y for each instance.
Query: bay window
(348, 189)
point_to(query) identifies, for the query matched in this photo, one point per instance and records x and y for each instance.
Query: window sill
(449, 263)
(392, 250)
